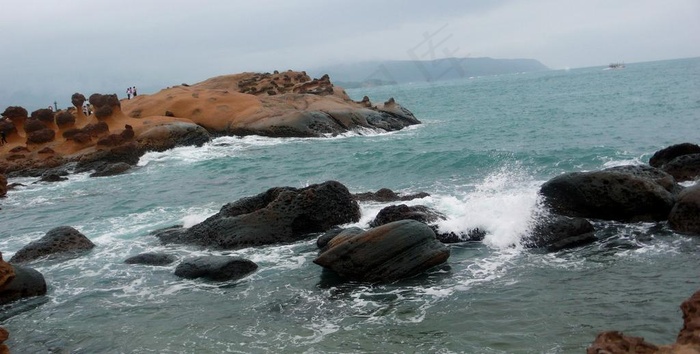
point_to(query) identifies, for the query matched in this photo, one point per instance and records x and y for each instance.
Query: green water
(485, 147)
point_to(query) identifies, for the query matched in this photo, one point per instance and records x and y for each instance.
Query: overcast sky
(50, 49)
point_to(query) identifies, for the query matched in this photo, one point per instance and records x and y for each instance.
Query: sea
(484, 148)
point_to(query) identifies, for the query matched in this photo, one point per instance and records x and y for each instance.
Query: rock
(7, 273)
(154, 259)
(65, 120)
(41, 136)
(217, 268)
(402, 212)
(664, 156)
(78, 99)
(685, 215)
(168, 136)
(471, 235)
(27, 283)
(4, 335)
(3, 185)
(111, 169)
(624, 194)
(385, 195)
(15, 112)
(323, 240)
(44, 115)
(555, 233)
(52, 177)
(33, 125)
(62, 239)
(279, 215)
(104, 105)
(687, 342)
(684, 168)
(127, 153)
(386, 253)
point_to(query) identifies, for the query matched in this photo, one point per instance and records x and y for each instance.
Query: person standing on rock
(128, 93)
(133, 90)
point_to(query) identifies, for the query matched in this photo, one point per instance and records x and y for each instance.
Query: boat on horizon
(615, 66)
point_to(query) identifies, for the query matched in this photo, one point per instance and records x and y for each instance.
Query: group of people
(131, 91)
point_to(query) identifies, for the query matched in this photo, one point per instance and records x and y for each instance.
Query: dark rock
(52, 177)
(323, 240)
(386, 195)
(276, 216)
(153, 259)
(168, 136)
(15, 112)
(128, 153)
(46, 150)
(402, 212)
(44, 115)
(556, 232)
(18, 149)
(685, 215)
(3, 185)
(62, 239)
(389, 252)
(684, 168)
(33, 125)
(97, 129)
(111, 169)
(471, 235)
(217, 268)
(26, 283)
(663, 156)
(104, 104)
(611, 194)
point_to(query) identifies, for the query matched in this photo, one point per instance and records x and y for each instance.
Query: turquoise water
(485, 147)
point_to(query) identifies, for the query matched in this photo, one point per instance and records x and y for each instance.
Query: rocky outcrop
(393, 213)
(59, 240)
(386, 195)
(216, 268)
(4, 335)
(168, 136)
(386, 253)
(153, 259)
(26, 283)
(628, 193)
(687, 342)
(554, 233)
(128, 153)
(279, 215)
(111, 169)
(685, 215)
(7, 272)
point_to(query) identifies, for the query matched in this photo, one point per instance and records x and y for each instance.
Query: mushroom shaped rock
(62, 239)
(217, 268)
(27, 283)
(386, 253)
(685, 215)
(630, 193)
(282, 214)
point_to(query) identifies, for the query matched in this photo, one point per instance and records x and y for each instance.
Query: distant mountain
(372, 73)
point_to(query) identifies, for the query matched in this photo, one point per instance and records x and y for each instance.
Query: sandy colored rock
(7, 273)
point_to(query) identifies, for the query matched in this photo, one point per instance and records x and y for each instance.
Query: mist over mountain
(373, 73)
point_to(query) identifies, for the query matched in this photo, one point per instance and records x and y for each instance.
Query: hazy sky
(50, 49)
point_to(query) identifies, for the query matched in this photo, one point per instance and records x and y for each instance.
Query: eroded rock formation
(62, 239)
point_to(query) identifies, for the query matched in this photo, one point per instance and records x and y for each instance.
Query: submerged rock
(3, 185)
(386, 195)
(62, 239)
(628, 193)
(111, 169)
(684, 168)
(154, 259)
(386, 253)
(685, 215)
(665, 155)
(282, 214)
(403, 212)
(217, 268)
(555, 233)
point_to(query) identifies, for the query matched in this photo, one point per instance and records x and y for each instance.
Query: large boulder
(111, 169)
(685, 215)
(217, 268)
(628, 193)
(684, 168)
(62, 239)
(279, 215)
(26, 283)
(386, 253)
(128, 153)
(7, 272)
(555, 232)
(393, 213)
(664, 156)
